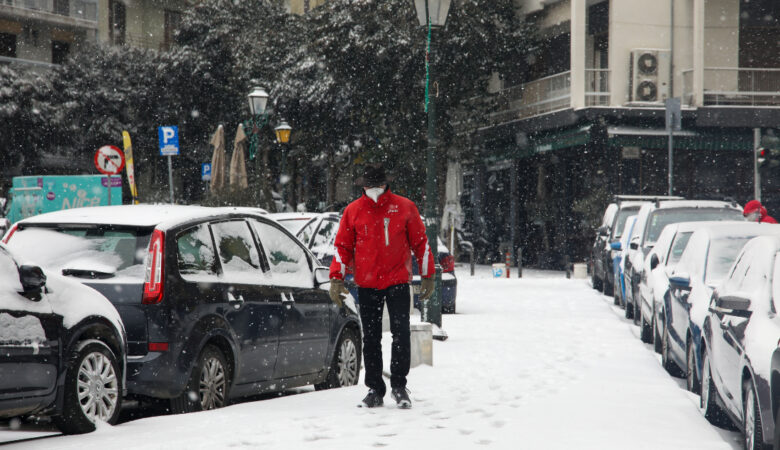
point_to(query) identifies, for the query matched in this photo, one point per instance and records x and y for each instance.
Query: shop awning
(558, 139)
(657, 138)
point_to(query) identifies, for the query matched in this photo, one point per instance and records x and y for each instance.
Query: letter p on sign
(169, 140)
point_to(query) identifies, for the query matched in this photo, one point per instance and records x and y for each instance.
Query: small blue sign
(205, 171)
(169, 140)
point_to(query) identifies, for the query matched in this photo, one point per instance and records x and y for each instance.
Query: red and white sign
(109, 160)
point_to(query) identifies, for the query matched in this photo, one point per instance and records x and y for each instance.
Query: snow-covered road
(532, 363)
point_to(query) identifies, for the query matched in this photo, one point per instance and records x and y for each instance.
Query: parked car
(740, 368)
(609, 232)
(619, 250)
(318, 233)
(219, 302)
(62, 347)
(651, 220)
(710, 253)
(659, 266)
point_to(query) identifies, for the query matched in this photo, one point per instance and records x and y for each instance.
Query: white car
(711, 251)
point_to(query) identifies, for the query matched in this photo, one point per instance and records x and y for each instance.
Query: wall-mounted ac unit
(649, 76)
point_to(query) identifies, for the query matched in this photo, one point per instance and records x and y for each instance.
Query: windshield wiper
(85, 273)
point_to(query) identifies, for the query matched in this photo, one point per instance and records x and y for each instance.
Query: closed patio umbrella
(218, 160)
(238, 177)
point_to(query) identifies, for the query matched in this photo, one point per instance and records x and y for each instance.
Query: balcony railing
(26, 63)
(596, 87)
(736, 86)
(76, 9)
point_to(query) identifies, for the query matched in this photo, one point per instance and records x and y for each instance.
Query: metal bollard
(508, 262)
(519, 262)
(567, 265)
(470, 247)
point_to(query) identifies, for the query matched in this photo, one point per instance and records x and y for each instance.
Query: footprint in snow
(498, 423)
(465, 432)
(484, 442)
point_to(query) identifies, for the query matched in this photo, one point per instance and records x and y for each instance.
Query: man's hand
(426, 288)
(337, 291)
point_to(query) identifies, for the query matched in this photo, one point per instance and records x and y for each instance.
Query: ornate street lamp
(431, 14)
(283, 131)
(258, 99)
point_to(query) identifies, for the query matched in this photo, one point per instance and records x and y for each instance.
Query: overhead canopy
(658, 138)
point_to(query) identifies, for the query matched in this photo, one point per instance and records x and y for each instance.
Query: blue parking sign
(169, 140)
(205, 171)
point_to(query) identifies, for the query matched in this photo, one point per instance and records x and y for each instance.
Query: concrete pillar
(578, 38)
(698, 52)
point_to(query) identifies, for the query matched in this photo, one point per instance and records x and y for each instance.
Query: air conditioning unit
(649, 76)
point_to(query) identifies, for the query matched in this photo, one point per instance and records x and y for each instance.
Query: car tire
(657, 345)
(751, 426)
(609, 288)
(596, 282)
(645, 332)
(691, 380)
(708, 399)
(92, 390)
(345, 368)
(629, 310)
(616, 291)
(209, 384)
(669, 365)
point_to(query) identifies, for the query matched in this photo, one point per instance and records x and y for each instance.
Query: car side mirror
(33, 279)
(733, 305)
(634, 246)
(321, 275)
(654, 261)
(681, 281)
(603, 230)
(616, 245)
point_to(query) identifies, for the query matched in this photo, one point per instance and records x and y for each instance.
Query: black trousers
(371, 301)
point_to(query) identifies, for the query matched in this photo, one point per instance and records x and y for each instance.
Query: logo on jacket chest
(392, 209)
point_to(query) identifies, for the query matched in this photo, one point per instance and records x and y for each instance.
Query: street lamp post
(258, 99)
(431, 14)
(283, 131)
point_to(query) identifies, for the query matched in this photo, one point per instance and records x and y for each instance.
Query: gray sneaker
(401, 397)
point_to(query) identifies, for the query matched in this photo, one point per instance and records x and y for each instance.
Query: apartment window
(59, 52)
(8, 45)
(172, 22)
(62, 7)
(117, 16)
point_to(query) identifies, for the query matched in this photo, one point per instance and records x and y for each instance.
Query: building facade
(588, 119)
(40, 33)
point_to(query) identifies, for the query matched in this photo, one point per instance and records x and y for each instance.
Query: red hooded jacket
(376, 238)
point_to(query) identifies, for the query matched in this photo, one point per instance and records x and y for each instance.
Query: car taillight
(153, 280)
(448, 263)
(158, 346)
(10, 233)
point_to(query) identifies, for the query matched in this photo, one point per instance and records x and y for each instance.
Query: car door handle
(233, 299)
(724, 325)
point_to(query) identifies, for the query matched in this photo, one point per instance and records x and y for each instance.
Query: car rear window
(663, 217)
(84, 251)
(620, 220)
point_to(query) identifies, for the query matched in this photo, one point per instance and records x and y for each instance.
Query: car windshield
(663, 217)
(620, 220)
(88, 251)
(722, 253)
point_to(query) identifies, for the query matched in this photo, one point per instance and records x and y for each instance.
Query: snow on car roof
(721, 229)
(696, 204)
(163, 216)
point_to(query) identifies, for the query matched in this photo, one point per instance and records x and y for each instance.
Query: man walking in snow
(376, 236)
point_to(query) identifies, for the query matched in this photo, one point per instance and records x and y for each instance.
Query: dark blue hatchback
(218, 303)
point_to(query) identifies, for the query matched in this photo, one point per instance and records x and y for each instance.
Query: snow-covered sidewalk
(531, 363)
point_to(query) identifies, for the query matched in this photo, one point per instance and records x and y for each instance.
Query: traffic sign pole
(170, 176)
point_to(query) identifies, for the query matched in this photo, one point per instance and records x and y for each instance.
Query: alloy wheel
(347, 363)
(750, 418)
(212, 384)
(97, 387)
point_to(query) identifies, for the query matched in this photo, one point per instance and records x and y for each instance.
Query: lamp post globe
(283, 131)
(436, 9)
(258, 98)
